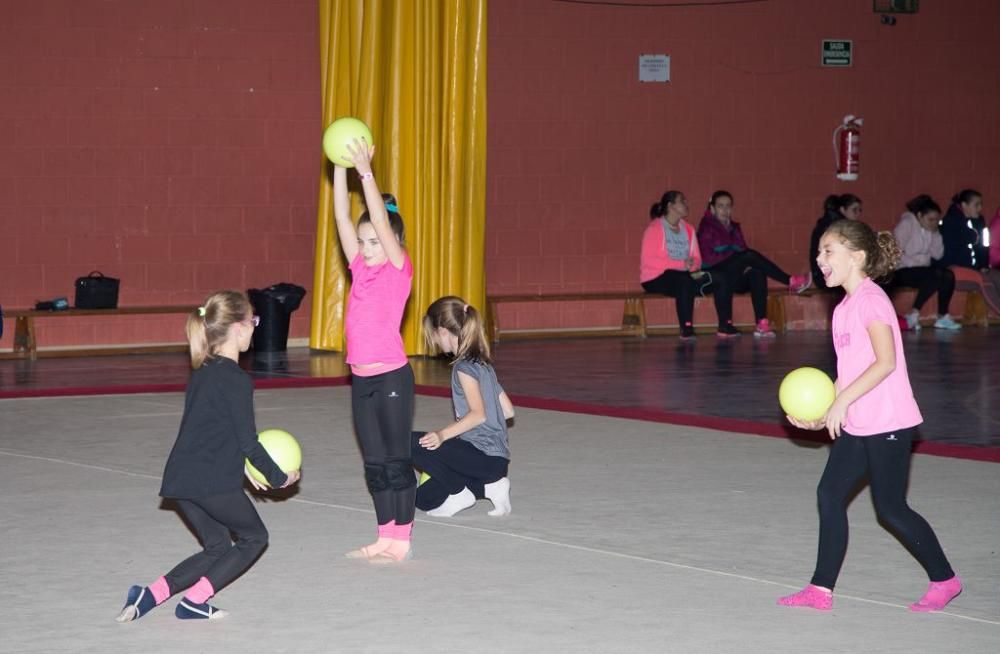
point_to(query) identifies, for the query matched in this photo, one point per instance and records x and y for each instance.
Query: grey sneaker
(945, 322)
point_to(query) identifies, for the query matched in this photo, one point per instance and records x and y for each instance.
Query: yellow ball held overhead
(282, 447)
(342, 133)
(806, 394)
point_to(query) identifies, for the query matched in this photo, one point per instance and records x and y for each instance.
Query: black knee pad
(401, 474)
(376, 478)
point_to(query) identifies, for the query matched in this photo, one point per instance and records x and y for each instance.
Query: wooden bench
(976, 312)
(633, 314)
(26, 345)
(634, 322)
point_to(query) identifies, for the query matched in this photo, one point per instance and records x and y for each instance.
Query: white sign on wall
(654, 68)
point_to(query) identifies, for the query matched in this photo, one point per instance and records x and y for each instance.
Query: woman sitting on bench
(966, 248)
(920, 242)
(724, 252)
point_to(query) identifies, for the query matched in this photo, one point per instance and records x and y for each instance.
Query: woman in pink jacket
(670, 264)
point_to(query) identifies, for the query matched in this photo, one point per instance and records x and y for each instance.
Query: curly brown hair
(882, 253)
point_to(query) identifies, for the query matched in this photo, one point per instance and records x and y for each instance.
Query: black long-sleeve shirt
(216, 433)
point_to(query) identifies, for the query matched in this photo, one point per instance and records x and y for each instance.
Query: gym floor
(648, 516)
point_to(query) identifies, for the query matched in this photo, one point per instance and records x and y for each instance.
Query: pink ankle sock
(938, 594)
(200, 592)
(811, 596)
(387, 530)
(403, 532)
(160, 590)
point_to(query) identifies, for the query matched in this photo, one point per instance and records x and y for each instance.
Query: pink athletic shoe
(811, 596)
(763, 329)
(799, 283)
(938, 594)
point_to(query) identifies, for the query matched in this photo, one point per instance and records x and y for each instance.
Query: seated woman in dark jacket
(966, 246)
(724, 252)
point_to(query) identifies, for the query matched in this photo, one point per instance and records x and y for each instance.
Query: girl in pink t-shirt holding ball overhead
(872, 419)
(382, 384)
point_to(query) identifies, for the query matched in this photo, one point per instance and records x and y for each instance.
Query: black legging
(928, 280)
(383, 419)
(885, 458)
(681, 285)
(748, 271)
(214, 519)
(457, 464)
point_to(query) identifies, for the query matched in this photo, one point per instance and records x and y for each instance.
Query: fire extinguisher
(846, 142)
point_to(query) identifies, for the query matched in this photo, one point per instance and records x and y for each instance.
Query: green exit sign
(837, 53)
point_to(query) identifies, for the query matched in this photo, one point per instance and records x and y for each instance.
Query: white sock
(499, 493)
(455, 503)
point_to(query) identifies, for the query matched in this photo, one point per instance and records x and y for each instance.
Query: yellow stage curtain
(415, 72)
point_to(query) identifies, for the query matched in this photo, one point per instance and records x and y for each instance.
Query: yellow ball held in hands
(282, 447)
(806, 394)
(340, 134)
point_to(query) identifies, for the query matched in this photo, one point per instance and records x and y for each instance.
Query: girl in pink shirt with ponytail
(872, 419)
(382, 380)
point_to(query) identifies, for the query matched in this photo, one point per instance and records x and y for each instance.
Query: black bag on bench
(95, 291)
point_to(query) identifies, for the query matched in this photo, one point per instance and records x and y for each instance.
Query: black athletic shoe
(138, 603)
(727, 331)
(188, 610)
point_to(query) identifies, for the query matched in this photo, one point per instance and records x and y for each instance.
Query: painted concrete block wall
(174, 145)
(579, 149)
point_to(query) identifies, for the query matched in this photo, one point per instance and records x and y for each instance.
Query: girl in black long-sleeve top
(205, 470)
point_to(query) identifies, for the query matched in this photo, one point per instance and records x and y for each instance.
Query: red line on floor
(134, 389)
(773, 430)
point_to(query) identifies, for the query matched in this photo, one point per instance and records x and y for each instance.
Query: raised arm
(361, 155)
(342, 214)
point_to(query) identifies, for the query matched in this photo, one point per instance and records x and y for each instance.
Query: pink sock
(387, 530)
(812, 596)
(403, 531)
(160, 590)
(938, 594)
(200, 592)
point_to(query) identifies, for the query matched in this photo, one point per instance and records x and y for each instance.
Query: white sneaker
(913, 320)
(945, 322)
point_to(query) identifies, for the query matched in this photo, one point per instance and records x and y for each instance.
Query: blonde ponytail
(208, 325)
(197, 339)
(472, 341)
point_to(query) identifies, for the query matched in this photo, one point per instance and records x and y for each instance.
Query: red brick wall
(579, 149)
(172, 144)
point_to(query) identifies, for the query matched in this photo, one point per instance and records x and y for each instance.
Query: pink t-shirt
(890, 405)
(375, 311)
